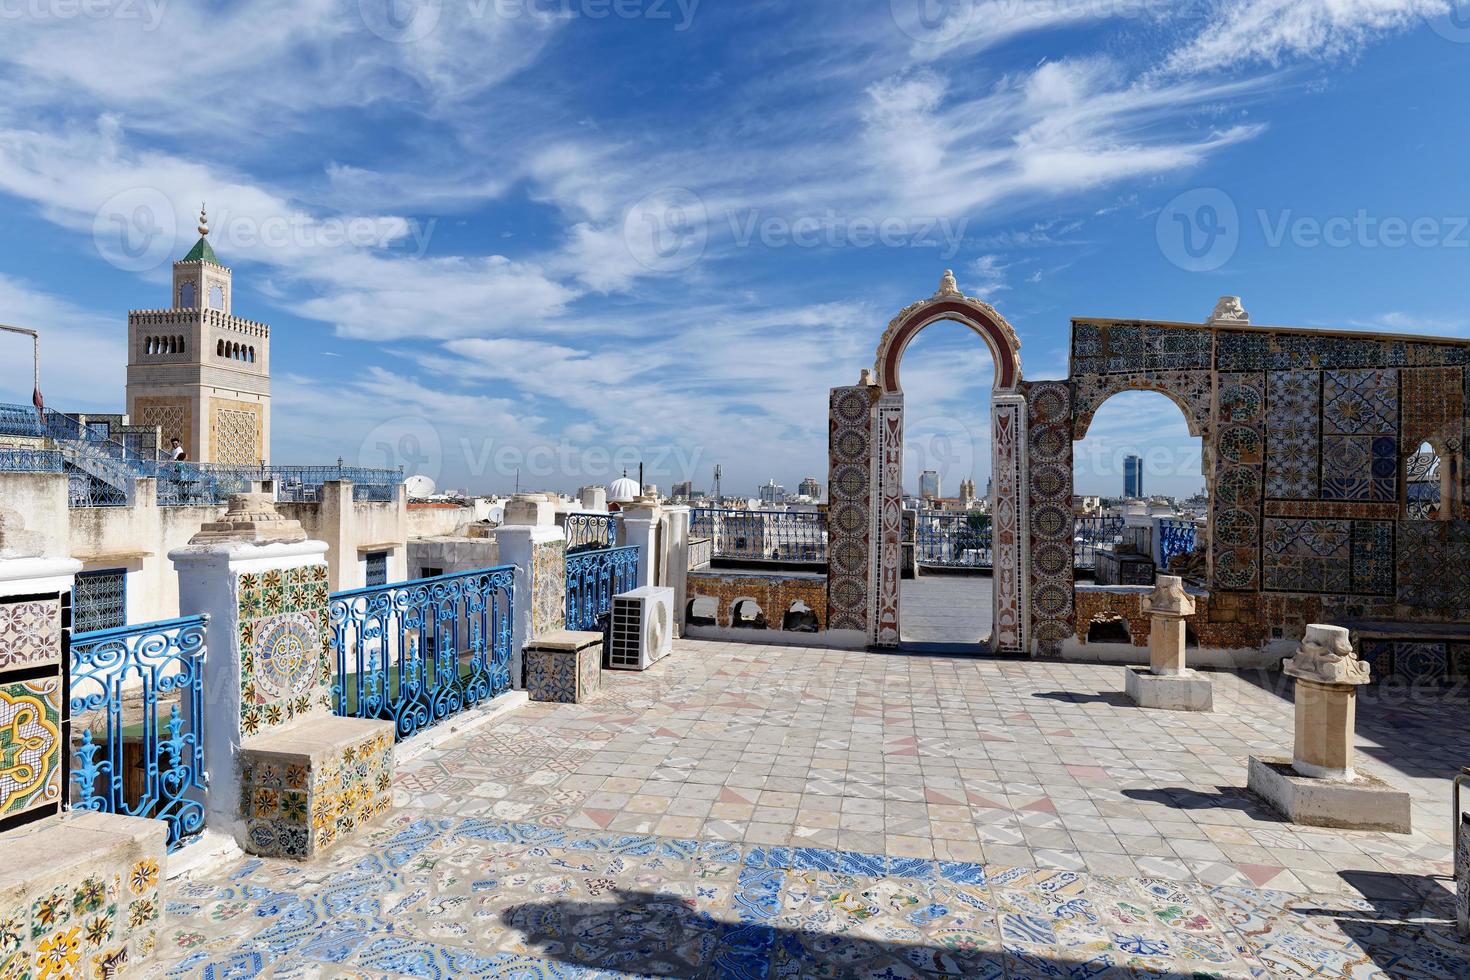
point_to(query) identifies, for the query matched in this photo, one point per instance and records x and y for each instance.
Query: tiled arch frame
(1009, 509)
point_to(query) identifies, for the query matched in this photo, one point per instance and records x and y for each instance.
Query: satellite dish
(419, 486)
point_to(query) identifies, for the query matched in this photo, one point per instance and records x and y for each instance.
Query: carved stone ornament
(1228, 311)
(1170, 599)
(949, 292)
(251, 518)
(1327, 657)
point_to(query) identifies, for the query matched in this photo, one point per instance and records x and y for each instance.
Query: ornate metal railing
(1092, 533)
(416, 653)
(953, 540)
(762, 535)
(593, 578)
(303, 484)
(86, 490)
(20, 420)
(30, 461)
(1176, 537)
(586, 531)
(137, 703)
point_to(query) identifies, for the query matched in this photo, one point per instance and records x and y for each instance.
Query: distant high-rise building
(1132, 477)
(683, 491)
(772, 493)
(810, 487)
(929, 485)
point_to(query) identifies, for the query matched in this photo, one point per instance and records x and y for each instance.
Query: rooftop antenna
(719, 497)
(640, 478)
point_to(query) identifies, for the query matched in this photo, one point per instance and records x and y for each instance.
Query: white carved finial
(1327, 656)
(947, 284)
(1228, 311)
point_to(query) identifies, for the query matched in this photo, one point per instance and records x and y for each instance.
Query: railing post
(530, 540)
(676, 560)
(268, 680)
(641, 518)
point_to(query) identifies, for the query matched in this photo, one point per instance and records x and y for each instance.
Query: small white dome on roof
(622, 490)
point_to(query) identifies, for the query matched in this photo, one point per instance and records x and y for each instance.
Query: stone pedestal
(1318, 786)
(564, 666)
(1167, 683)
(279, 760)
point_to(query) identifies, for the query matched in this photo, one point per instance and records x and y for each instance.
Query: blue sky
(563, 236)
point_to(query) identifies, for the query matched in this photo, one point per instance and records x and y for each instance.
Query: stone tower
(197, 371)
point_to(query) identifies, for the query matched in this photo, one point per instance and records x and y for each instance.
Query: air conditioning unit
(642, 629)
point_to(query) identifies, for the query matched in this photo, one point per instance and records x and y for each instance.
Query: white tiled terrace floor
(1041, 772)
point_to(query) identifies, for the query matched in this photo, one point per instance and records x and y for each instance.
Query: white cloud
(1273, 31)
(83, 354)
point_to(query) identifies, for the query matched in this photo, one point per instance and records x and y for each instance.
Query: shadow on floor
(645, 933)
(1405, 924)
(1117, 699)
(1224, 798)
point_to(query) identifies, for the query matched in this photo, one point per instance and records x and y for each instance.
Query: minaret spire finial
(203, 221)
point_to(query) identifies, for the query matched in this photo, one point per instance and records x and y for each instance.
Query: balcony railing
(416, 653)
(137, 703)
(762, 535)
(586, 531)
(953, 540)
(1092, 533)
(30, 461)
(593, 578)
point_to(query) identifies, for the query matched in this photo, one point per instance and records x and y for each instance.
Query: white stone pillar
(1168, 683)
(210, 570)
(530, 540)
(641, 519)
(676, 551)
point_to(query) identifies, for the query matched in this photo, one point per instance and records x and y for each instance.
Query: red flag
(37, 400)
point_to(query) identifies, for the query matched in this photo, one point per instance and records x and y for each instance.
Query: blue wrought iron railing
(416, 653)
(86, 490)
(30, 461)
(953, 540)
(20, 420)
(303, 484)
(1176, 537)
(137, 703)
(1091, 533)
(593, 578)
(585, 531)
(762, 535)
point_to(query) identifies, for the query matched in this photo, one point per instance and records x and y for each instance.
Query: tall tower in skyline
(1132, 477)
(197, 371)
(929, 485)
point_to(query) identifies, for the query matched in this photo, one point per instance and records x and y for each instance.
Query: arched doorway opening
(1140, 486)
(1008, 477)
(948, 556)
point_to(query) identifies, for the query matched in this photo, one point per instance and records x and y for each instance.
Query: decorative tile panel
(1434, 409)
(1049, 404)
(849, 511)
(1307, 555)
(1372, 560)
(1239, 461)
(1009, 528)
(1294, 401)
(30, 633)
(285, 646)
(549, 587)
(888, 441)
(30, 746)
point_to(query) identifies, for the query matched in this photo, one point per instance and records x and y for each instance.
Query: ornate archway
(866, 478)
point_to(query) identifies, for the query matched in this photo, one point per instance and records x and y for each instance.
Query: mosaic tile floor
(784, 812)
